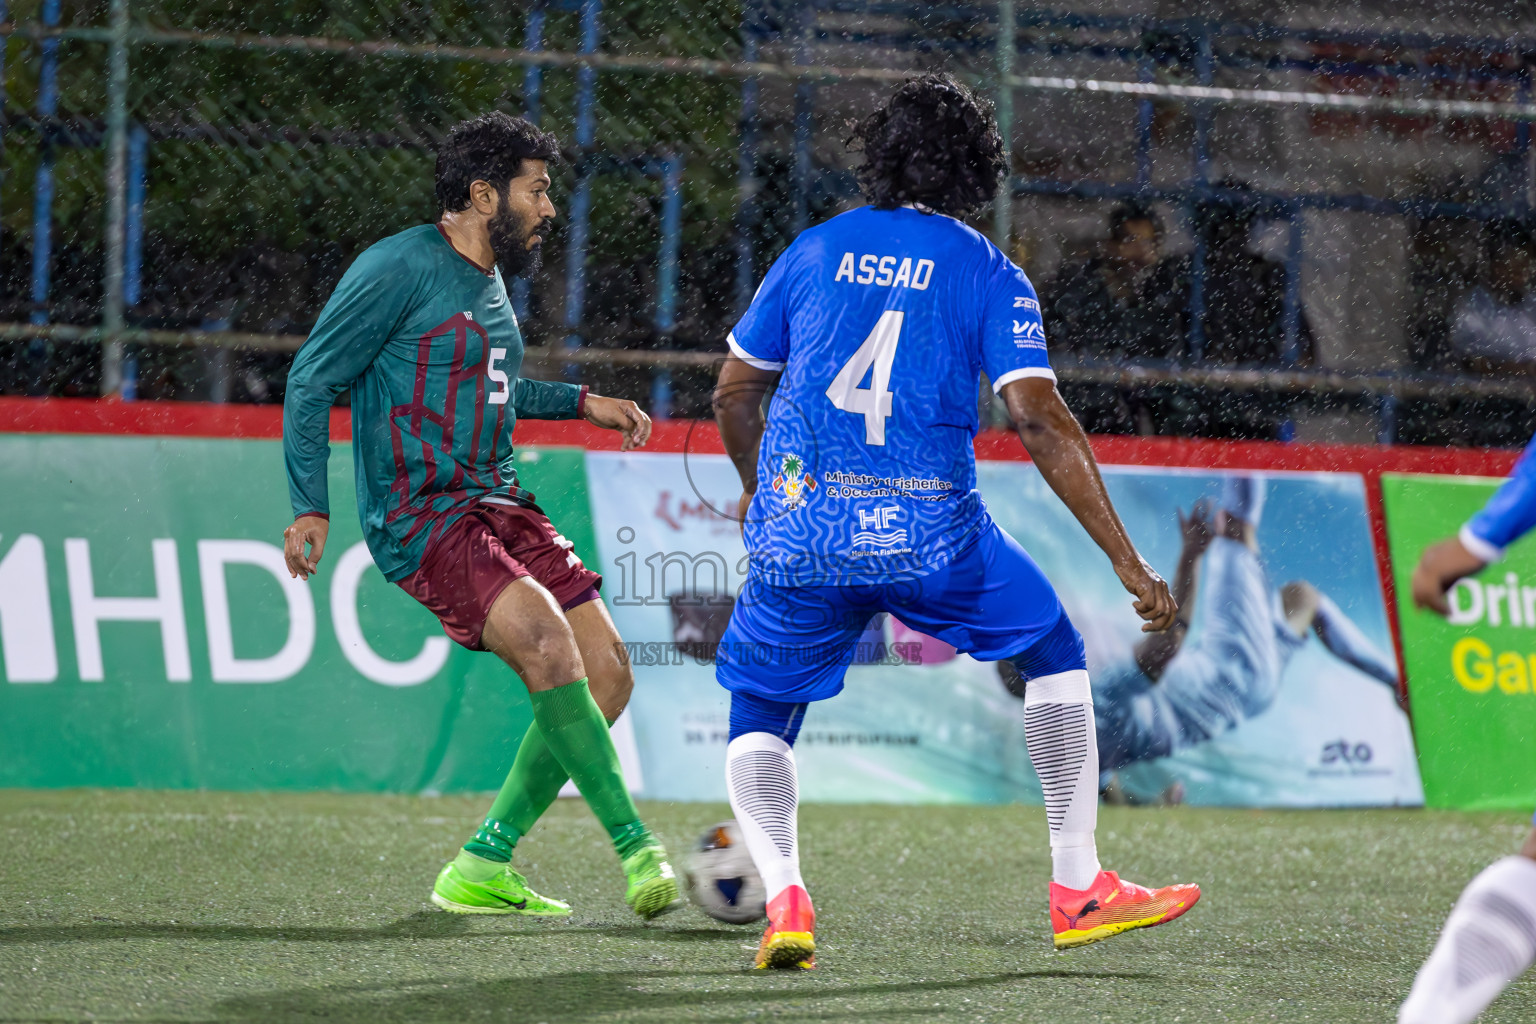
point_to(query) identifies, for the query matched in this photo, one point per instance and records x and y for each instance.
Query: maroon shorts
(466, 569)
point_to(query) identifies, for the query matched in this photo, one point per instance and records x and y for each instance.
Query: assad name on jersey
(882, 322)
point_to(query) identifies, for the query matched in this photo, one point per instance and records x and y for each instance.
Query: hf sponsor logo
(30, 638)
(875, 530)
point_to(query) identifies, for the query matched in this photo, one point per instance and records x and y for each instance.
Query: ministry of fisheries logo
(793, 481)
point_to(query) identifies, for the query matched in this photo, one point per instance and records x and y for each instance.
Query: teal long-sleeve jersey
(429, 345)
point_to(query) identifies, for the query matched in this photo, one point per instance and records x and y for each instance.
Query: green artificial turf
(235, 907)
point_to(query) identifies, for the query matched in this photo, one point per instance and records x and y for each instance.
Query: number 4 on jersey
(873, 402)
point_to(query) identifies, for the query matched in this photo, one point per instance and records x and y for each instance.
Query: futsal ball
(721, 879)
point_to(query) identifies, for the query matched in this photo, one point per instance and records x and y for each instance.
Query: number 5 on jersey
(873, 402)
(498, 377)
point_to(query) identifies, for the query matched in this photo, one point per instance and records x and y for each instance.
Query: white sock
(760, 778)
(1488, 941)
(1064, 749)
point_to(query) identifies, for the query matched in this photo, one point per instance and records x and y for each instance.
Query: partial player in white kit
(1490, 938)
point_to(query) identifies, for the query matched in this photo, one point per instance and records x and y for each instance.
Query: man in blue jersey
(1490, 937)
(861, 497)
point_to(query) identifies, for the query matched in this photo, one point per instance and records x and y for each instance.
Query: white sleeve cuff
(1475, 545)
(1020, 374)
(748, 358)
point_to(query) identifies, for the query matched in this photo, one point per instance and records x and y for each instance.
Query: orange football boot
(1110, 906)
(790, 939)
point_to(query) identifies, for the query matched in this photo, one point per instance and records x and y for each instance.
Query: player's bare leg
(1488, 941)
(569, 737)
(604, 656)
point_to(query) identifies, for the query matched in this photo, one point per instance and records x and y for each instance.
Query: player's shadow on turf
(426, 924)
(579, 995)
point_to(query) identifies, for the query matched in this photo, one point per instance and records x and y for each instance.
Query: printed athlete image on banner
(1472, 675)
(1277, 688)
(150, 634)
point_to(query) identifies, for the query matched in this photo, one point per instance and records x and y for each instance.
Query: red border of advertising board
(191, 419)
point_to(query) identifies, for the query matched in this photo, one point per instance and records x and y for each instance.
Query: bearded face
(510, 234)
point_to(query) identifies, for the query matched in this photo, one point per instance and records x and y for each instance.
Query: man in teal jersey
(421, 330)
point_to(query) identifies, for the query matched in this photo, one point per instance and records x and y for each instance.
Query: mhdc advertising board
(1281, 692)
(150, 635)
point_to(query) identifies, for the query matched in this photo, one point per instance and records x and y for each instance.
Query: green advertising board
(1472, 678)
(149, 635)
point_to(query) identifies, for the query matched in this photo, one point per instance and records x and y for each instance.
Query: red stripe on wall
(195, 419)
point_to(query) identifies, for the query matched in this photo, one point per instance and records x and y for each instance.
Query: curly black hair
(933, 143)
(491, 147)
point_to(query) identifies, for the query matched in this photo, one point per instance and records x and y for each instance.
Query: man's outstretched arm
(556, 400)
(1057, 444)
(1509, 515)
(1155, 652)
(738, 402)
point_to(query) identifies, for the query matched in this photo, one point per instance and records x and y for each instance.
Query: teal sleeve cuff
(548, 400)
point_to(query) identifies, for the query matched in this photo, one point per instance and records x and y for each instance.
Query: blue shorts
(794, 644)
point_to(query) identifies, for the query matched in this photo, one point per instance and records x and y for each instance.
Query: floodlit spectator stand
(812, 48)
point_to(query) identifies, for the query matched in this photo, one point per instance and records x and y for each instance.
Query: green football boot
(506, 893)
(652, 886)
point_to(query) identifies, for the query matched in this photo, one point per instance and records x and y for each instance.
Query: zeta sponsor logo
(793, 480)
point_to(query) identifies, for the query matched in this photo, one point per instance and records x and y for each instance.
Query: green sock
(531, 786)
(577, 734)
(494, 841)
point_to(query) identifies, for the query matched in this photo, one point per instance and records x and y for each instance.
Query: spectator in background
(1108, 305)
(1244, 292)
(1494, 324)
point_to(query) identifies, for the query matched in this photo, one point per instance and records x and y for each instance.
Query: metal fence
(184, 181)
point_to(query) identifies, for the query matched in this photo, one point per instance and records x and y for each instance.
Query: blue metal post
(1204, 74)
(1290, 317)
(133, 246)
(42, 190)
(1523, 141)
(746, 159)
(42, 199)
(533, 75)
(5, 16)
(533, 109)
(1386, 411)
(1144, 129)
(666, 277)
(133, 233)
(581, 200)
(805, 115)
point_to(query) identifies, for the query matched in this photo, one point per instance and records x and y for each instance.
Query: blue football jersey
(1509, 515)
(881, 321)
